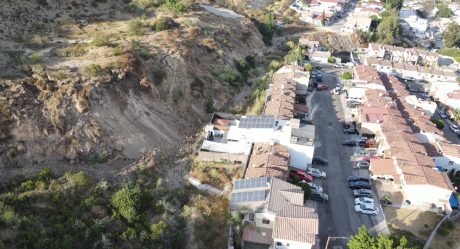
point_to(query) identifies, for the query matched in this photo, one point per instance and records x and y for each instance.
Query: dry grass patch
(416, 222)
(449, 240)
(219, 175)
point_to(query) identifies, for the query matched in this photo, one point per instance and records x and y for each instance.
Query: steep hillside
(90, 83)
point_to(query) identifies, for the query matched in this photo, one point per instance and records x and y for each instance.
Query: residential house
(446, 156)
(376, 50)
(268, 160)
(397, 54)
(411, 55)
(411, 22)
(311, 45)
(362, 23)
(446, 93)
(427, 107)
(274, 213)
(320, 56)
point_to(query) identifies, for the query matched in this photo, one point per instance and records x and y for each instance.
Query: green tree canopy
(388, 29)
(451, 35)
(363, 240)
(331, 59)
(309, 67)
(127, 202)
(443, 11)
(347, 76)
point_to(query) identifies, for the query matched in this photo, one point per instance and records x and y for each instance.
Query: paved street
(338, 218)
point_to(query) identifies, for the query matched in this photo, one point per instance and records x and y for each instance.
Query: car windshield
(455, 126)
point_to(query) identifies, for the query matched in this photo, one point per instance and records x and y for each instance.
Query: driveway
(337, 217)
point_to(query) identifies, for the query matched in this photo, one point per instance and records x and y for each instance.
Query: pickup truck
(303, 176)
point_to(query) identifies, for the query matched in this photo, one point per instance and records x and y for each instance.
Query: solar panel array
(249, 196)
(252, 183)
(257, 122)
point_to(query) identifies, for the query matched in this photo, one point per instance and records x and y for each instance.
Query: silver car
(362, 164)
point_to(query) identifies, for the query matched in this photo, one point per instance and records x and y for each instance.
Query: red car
(301, 174)
(368, 158)
(322, 87)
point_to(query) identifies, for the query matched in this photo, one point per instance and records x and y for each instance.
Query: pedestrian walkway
(207, 188)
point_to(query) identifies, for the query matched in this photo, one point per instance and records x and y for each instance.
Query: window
(251, 217)
(279, 244)
(264, 221)
(451, 162)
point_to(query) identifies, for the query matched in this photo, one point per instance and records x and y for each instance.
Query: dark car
(358, 185)
(349, 143)
(317, 196)
(357, 179)
(319, 161)
(385, 202)
(362, 193)
(351, 130)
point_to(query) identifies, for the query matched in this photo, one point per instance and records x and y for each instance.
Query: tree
(323, 18)
(451, 35)
(127, 202)
(443, 11)
(347, 76)
(393, 4)
(457, 115)
(158, 231)
(361, 240)
(331, 59)
(309, 67)
(388, 29)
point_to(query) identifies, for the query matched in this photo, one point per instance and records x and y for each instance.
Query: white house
(320, 56)
(274, 213)
(410, 21)
(376, 50)
(447, 158)
(427, 107)
(357, 23)
(447, 93)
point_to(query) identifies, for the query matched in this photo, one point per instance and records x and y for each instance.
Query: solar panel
(248, 196)
(252, 183)
(256, 122)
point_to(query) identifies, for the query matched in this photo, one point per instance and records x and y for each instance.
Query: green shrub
(17, 58)
(101, 41)
(77, 50)
(136, 27)
(127, 203)
(439, 123)
(80, 179)
(94, 70)
(163, 23)
(27, 185)
(36, 58)
(309, 67)
(331, 59)
(159, 75)
(45, 174)
(347, 76)
(159, 230)
(274, 65)
(443, 231)
(230, 77)
(210, 106)
(180, 6)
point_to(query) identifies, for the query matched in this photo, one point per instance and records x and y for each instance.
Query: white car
(362, 164)
(364, 200)
(382, 177)
(316, 173)
(361, 153)
(454, 128)
(315, 187)
(366, 209)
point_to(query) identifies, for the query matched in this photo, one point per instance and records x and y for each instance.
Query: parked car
(454, 128)
(349, 142)
(301, 175)
(358, 185)
(385, 202)
(322, 87)
(351, 130)
(362, 164)
(362, 193)
(316, 173)
(442, 113)
(366, 209)
(425, 97)
(361, 153)
(367, 158)
(382, 177)
(315, 187)
(364, 200)
(316, 196)
(319, 161)
(353, 104)
(357, 179)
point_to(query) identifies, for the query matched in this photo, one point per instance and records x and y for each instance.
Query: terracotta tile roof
(384, 167)
(398, 66)
(423, 69)
(454, 95)
(416, 147)
(284, 194)
(432, 150)
(449, 149)
(257, 235)
(403, 155)
(449, 73)
(268, 160)
(300, 108)
(298, 224)
(436, 71)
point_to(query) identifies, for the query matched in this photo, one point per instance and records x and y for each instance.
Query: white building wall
(426, 195)
(259, 217)
(289, 244)
(301, 155)
(447, 162)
